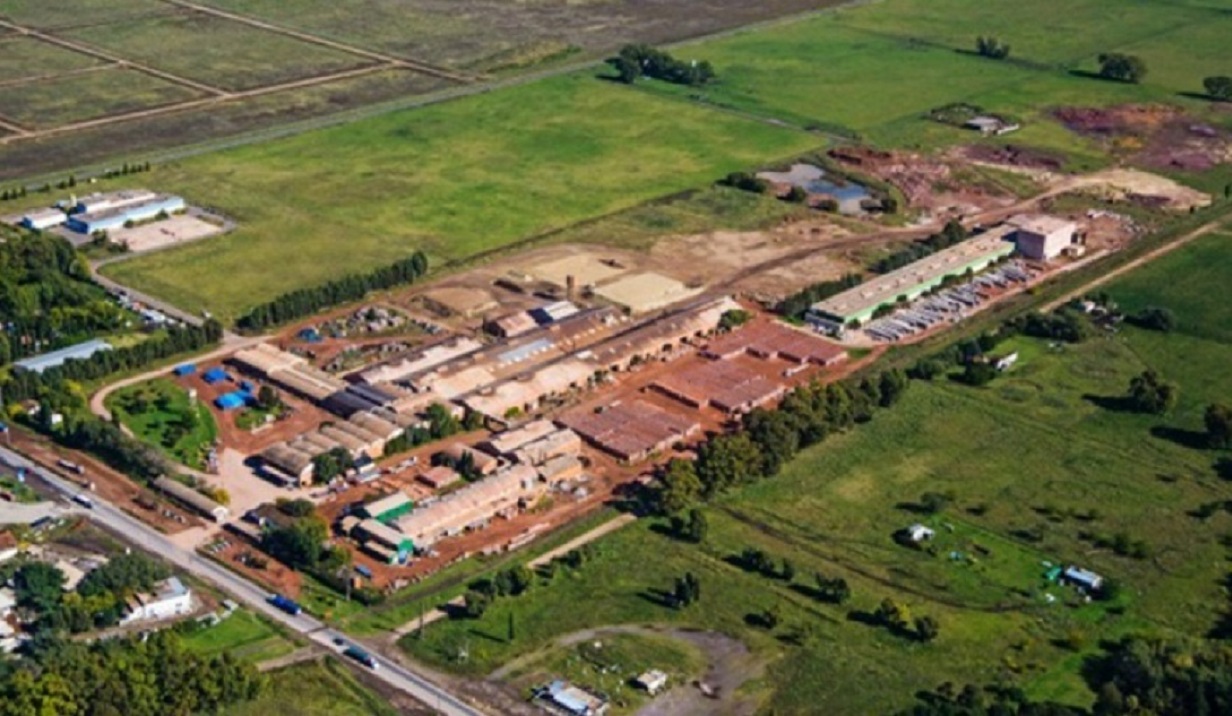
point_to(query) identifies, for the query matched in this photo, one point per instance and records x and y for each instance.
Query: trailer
(83, 500)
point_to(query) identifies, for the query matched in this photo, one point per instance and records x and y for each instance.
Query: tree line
(796, 304)
(636, 61)
(307, 301)
(768, 439)
(953, 233)
(131, 676)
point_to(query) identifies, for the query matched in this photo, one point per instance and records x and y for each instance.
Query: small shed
(919, 533)
(652, 681)
(1084, 578)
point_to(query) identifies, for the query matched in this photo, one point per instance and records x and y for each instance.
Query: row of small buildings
(104, 211)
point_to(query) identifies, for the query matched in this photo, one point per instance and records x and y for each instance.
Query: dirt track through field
(1145, 258)
(56, 76)
(84, 49)
(323, 42)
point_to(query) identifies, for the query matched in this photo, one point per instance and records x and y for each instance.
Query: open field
(477, 33)
(160, 413)
(1037, 467)
(450, 179)
(218, 52)
(318, 688)
(22, 57)
(51, 15)
(86, 96)
(244, 635)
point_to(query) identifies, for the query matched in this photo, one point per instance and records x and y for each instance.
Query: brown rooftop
(765, 339)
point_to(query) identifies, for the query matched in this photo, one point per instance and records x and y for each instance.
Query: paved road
(394, 675)
(16, 513)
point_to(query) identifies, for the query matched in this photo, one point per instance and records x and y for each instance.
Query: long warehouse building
(859, 304)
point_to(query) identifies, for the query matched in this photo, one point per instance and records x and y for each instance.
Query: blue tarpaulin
(215, 375)
(186, 369)
(231, 401)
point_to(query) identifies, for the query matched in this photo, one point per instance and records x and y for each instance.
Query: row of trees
(796, 304)
(637, 61)
(125, 677)
(953, 233)
(307, 301)
(768, 439)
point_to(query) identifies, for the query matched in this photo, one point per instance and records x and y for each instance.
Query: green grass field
(40, 105)
(452, 179)
(23, 57)
(875, 69)
(42, 14)
(244, 635)
(159, 412)
(319, 688)
(218, 52)
(1038, 468)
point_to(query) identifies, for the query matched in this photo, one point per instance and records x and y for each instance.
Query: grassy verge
(244, 635)
(319, 688)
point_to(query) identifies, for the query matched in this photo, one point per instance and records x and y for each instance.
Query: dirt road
(1145, 258)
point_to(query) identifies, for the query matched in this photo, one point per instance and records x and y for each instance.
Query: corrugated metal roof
(38, 364)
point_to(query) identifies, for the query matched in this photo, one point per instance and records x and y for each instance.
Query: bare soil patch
(1154, 135)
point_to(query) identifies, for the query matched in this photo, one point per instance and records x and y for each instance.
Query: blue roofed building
(107, 212)
(81, 351)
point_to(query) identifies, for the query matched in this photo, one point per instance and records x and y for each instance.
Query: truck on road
(363, 657)
(286, 604)
(82, 499)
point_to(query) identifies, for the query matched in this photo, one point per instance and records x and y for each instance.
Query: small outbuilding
(652, 682)
(1084, 578)
(919, 533)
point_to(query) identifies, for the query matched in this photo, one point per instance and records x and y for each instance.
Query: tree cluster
(636, 61)
(126, 677)
(768, 439)
(834, 590)
(1218, 87)
(481, 593)
(98, 601)
(745, 181)
(307, 301)
(329, 465)
(1121, 67)
(991, 47)
(687, 591)
(441, 424)
(1154, 318)
(756, 560)
(1218, 420)
(897, 618)
(692, 529)
(1150, 393)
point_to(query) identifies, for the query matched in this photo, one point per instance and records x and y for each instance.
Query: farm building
(288, 463)
(169, 598)
(457, 301)
(288, 371)
(484, 463)
(81, 351)
(525, 393)
(473, 506)
(644, 292)
(659, 337)
(652, 682)
(726, 385)
(553, 312)
(631, 431)
(43, 219)
(555, 444)
(1042, 237)
(563, 697)
(769, 340)
(991, 126)
(420, 361)
(1084, 578)
(858, 304)
(506, 443)
(214, 375)
(391, 539)
(512, 325)
(191, 498)
(388, 508)
(439, 477)
(115, 210)
(561, 468)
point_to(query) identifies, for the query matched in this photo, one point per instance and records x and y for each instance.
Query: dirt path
(230, 344)
(323, 42)
(1145, 258)
(122, 62)
(729, 666)
(307, 653)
